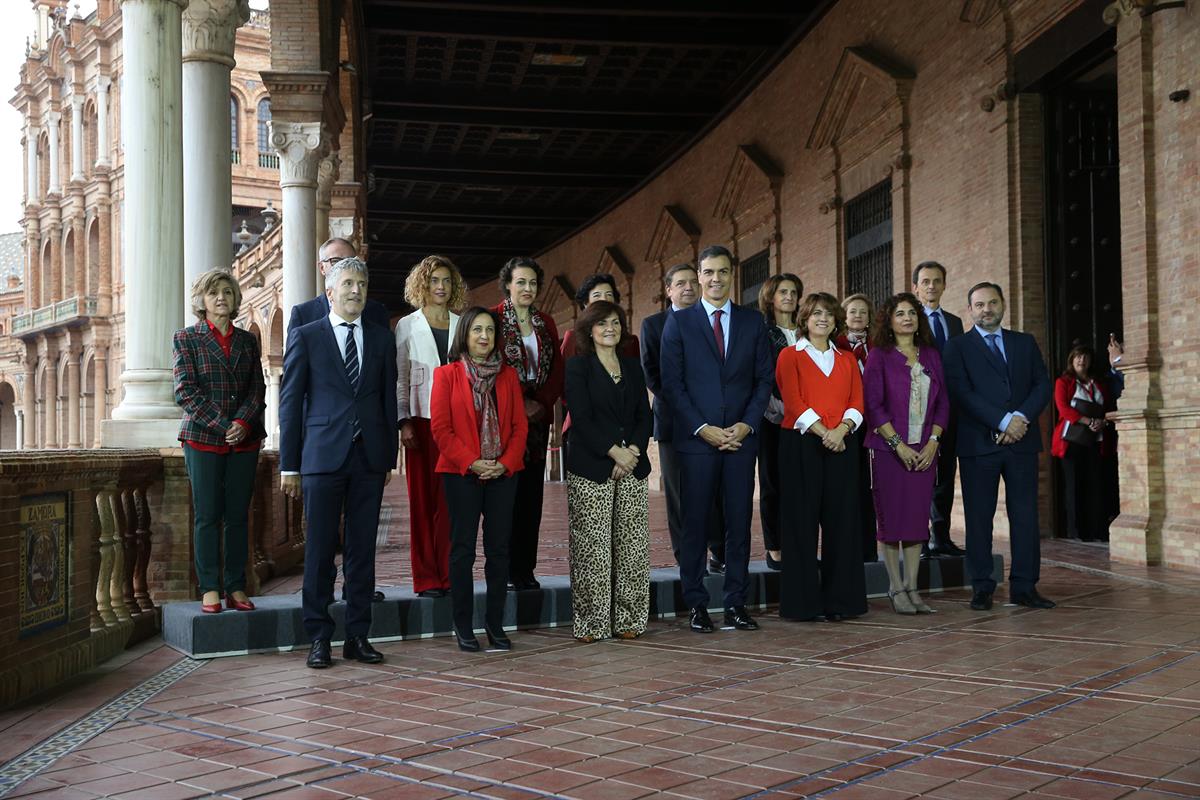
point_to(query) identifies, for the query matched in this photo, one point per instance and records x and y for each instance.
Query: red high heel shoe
(211, 608)
(238, 605)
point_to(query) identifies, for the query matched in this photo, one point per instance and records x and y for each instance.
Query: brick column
(29, 395)
(80, 287)
(50, 397)
(54, 292)
(33, 254)
(74, 441)
(1136, 535)
(104, 264)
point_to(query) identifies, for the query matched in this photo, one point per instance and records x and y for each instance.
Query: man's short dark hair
(928, 265)
(592, 281)
(506, 272)
(715, 251)
(670, 276)
(985, 285)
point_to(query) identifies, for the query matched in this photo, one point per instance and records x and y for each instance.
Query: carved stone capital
(103, 84)
(301, 146)
(327, 175)
(342, 228)
(1115, 12)
(53, 118)
(210, 27)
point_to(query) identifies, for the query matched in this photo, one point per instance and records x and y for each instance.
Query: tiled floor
(1099, 698)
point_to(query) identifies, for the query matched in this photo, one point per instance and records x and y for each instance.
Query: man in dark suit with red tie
(337, 448)
(999, 383)
(717, 375)
(929, 283)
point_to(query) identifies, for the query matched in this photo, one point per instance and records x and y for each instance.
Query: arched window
(235, 152)
(266, 158)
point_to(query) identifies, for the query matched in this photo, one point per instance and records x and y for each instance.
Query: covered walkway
(1099, 698)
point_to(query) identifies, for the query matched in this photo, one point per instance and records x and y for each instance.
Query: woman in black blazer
(606, 480)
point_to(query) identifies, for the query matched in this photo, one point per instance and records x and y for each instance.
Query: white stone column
(31, 163)
(53, 119)
(102, 85)
(300, 145)
(100, 391)
(153, 222)
(209, 29)
(76, 137)
(273, 375)
(327, 175)
(20, 430)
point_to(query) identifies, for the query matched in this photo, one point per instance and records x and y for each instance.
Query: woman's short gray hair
(350, 263)
(206, 282)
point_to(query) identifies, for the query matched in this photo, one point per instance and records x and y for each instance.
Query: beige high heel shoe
(921, 607)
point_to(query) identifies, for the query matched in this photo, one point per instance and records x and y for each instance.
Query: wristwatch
(935, 437)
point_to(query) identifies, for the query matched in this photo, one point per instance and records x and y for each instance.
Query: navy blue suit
(985, 388)
(701, 388)
(340, 474)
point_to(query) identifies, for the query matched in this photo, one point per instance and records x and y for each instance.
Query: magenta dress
(902, 497)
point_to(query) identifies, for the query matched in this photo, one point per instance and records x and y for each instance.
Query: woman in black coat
(606, 480)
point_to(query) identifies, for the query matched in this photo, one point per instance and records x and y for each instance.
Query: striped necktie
(352, 368)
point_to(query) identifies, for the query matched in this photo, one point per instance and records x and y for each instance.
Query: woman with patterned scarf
(529, 344)
(859, 313)
(477, 419)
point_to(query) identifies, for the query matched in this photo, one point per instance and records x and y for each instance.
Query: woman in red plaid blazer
(219, 386)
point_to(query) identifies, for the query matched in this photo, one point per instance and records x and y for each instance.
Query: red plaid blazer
(213, 390)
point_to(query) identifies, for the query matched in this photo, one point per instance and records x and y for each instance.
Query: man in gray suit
(929, 283)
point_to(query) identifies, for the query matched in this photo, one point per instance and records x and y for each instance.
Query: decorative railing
(235, 157)
(259, 19)
(268, 160)
(62, 311)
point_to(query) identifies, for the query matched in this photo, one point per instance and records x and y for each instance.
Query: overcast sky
(16, 29)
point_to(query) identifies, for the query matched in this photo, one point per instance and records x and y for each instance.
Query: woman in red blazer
(528, 342)
(822, 396)
(1083, 463)
(477, 418)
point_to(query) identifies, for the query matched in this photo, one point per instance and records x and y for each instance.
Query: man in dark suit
(717, 374)
(338, 442)
(998, 381)
(683, 290)
(333, 251)
(929, 283)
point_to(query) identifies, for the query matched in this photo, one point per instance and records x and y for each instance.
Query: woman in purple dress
(907, 407)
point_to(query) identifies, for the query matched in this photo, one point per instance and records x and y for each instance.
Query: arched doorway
(8, 417)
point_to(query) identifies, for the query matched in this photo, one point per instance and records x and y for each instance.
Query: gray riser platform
(276, 624)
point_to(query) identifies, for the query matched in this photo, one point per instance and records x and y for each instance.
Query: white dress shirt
(726, 310)
(999, 334)
(340, 331)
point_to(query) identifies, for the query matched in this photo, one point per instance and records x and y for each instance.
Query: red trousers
(428, 518)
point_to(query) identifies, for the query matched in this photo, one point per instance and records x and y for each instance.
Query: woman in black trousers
(477, 418)
(777, 300)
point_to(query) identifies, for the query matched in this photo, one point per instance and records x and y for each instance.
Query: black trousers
(526, 520)
(1083, 481)
(866, 515)
(826, 502)
(668, 465)
(768, 483)
(469, 498)
(355, 492)
(943, 490)
(981, 485)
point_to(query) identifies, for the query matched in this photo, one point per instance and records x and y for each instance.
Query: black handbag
(1077, 432)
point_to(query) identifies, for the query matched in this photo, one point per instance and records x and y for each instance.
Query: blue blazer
(702, 389)
(652, 331)
(317, 404)
(984, 389)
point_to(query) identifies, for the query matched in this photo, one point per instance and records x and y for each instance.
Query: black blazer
(652, 329)
(604, 413)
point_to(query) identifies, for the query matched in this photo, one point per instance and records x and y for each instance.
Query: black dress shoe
(532, 583)
(318, 656)
(946, 549)
(981, 601)
(496, 638)
(775, 564)
(357, 648)
(700, 621)
(1031, 599)
(468, 643)
(432, 593)
(716, 567)
(833, 616)
(740, 618)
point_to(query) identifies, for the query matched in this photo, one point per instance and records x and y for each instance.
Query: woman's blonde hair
(209, 280)
(417, 284)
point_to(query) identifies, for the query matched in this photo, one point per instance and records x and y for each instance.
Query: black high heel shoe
(497, 640)
(468, 643)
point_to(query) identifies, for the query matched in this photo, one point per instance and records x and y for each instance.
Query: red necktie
(719, 333)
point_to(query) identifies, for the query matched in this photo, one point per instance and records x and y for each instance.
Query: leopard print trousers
(610, 556)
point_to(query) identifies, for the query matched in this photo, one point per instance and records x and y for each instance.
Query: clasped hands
(915, 461)
(625, 459)
(1018, 426)
(727, 439)
(487, 469)
(833, 438)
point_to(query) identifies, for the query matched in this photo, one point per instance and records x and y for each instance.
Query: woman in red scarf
(478, 422)
(528, 342)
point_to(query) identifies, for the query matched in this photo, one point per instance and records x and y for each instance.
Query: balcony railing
(235, 157)
(268, 160)
(62, 311)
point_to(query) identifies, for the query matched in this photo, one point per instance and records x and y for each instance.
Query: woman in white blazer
(423, 338)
